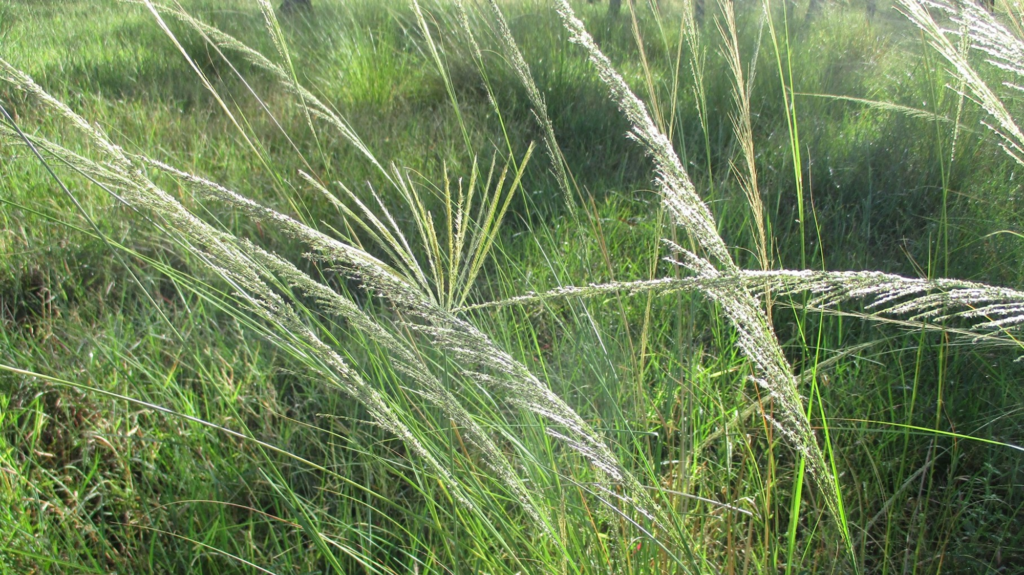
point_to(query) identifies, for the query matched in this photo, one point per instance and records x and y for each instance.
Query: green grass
(173, 427)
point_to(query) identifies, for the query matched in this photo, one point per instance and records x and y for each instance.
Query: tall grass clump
(451, 353)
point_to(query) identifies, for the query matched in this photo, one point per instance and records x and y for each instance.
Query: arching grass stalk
(263, 284)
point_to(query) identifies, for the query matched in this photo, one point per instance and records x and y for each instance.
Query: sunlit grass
(497, 384)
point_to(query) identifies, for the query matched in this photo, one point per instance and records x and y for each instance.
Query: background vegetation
(151, 422)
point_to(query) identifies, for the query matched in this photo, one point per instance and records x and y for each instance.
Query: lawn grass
(169, 427)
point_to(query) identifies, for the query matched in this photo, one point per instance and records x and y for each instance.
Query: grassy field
(468, 325)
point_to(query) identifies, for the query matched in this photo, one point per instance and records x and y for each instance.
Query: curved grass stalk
(310, 102)
(255, 277)
(1004, 50)
(481, 360)
(517, 62)
(755, 335)
(993, 314)
(221, 253)
(409, 363)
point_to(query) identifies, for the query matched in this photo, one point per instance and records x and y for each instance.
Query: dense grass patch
(176, 400)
